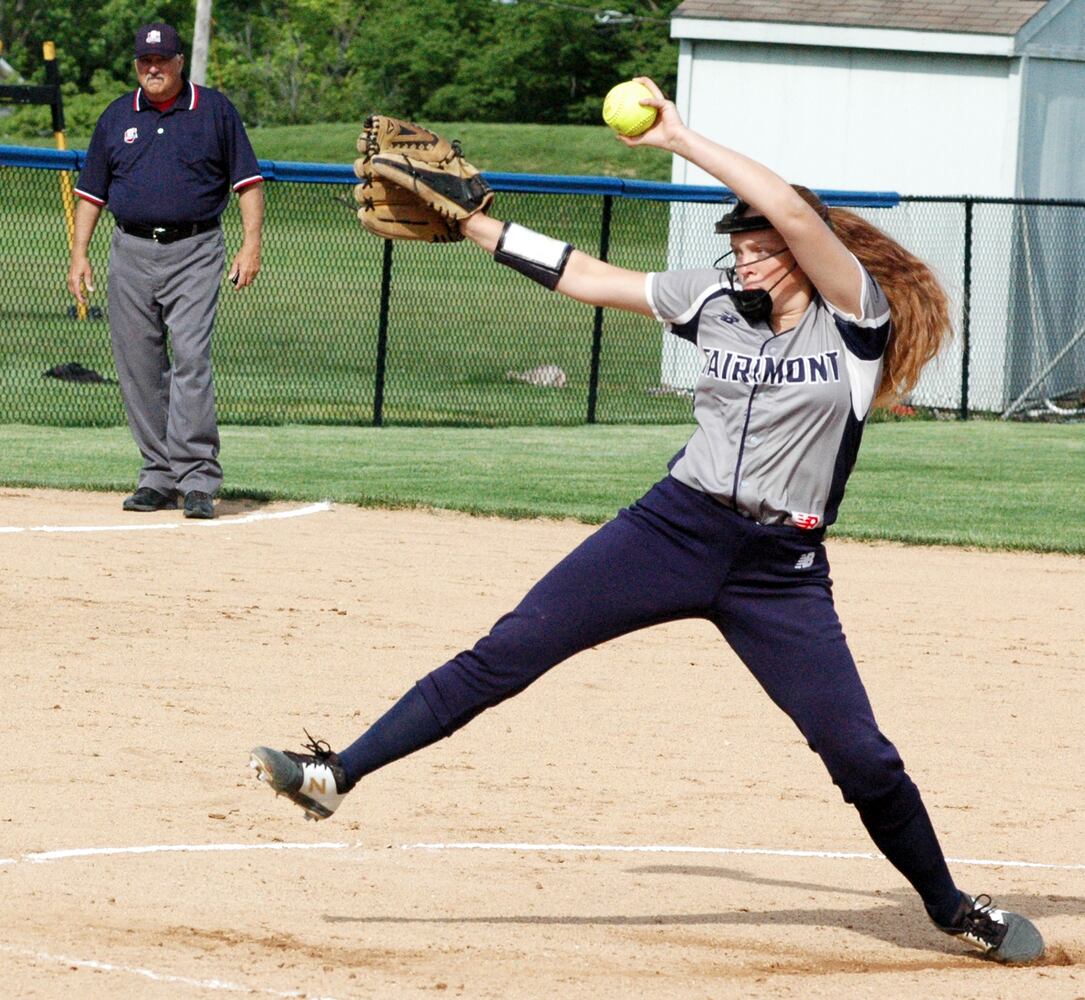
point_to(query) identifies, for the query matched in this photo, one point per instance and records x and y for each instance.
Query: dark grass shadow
(225, 507)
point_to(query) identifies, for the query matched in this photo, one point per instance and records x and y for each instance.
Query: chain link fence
(342, 328)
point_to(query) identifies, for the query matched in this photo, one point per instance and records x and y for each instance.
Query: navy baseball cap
(157, 40)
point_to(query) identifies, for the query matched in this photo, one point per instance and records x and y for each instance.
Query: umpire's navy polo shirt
(162, 168)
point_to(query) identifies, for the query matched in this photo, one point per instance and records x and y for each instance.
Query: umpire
(164, 159)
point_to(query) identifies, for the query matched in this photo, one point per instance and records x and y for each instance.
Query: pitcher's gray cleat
(1001, 936)
(315, 781)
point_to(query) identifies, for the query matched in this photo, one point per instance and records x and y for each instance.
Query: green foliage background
(292, 62)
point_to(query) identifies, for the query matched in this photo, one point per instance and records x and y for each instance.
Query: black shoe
(147, 499)
(1002, 936)
(315, 781)
(199, 504)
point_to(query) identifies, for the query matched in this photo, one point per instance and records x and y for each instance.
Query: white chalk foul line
(218, 522)
(225, 522)
(41, 857)
(223, 985)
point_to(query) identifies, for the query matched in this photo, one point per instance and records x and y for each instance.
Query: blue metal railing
(335, 173)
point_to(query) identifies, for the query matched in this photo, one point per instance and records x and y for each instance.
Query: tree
(89, 37)
(296, 61)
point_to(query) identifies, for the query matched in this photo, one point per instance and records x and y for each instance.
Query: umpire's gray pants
(154, 289)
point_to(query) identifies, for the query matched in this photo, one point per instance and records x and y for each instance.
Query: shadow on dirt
(898, 919)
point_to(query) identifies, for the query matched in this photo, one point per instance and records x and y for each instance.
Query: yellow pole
(66, 197)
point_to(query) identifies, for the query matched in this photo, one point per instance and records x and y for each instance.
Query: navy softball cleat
(1001, 936)
(314, 781)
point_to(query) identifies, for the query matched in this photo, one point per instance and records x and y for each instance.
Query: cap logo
(153, 37)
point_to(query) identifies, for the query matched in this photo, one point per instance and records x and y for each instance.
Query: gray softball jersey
(779, 417)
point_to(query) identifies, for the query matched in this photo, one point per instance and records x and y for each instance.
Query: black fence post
(382, 335)
(597, 330)
(966, 307)
(52, 79)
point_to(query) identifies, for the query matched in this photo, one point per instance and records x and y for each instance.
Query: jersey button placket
(747, 439)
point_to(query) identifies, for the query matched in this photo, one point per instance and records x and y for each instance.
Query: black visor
(737, 221)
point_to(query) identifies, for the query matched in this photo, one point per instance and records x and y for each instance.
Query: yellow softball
(622, 109)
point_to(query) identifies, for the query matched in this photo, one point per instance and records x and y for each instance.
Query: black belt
(167, 234)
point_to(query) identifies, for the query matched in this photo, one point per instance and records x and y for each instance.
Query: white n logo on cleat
(315, 785)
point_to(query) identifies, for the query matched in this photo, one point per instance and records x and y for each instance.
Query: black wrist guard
(541, 258)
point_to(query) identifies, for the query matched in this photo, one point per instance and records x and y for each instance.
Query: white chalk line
(43, 857)
(223, 985)
(38, 857)
(218, 522)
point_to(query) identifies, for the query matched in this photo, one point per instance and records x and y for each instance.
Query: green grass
(981, 483)
(301, 345)
(584, 150)
(984, 484)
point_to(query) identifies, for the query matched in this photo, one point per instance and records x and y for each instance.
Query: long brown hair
(918, 304)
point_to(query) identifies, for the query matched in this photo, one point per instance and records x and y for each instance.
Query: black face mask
(755, 305)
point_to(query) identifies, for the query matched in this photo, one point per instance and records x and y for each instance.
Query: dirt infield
(641, 823)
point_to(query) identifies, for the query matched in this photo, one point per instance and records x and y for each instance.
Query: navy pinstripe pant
(675, 554)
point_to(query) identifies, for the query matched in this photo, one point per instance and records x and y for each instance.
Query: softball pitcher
(816, 317)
